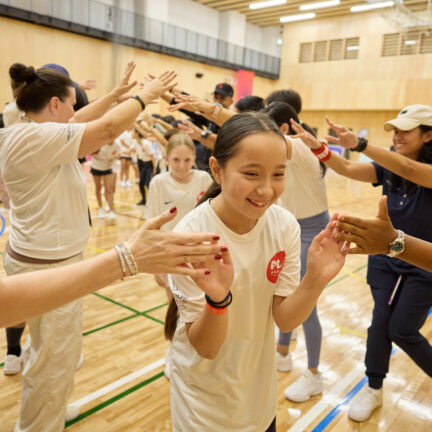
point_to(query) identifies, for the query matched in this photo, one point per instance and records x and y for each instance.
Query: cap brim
(402, 124)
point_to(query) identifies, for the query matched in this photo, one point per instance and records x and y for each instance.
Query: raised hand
(304, 135)
(218, 283)
(371, 236)
(345, 138)
(124, 86)
(155, 87)
(326, 255)
(87, 85)
(191, 103)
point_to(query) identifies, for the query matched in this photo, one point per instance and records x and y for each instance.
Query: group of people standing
(261, 194)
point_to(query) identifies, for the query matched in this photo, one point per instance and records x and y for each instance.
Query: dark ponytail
(33, 89)
(282, 112)
(230, 134)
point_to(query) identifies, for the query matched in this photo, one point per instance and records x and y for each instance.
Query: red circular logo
(274, 267)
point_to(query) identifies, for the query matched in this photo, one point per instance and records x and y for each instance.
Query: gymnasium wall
(363, 92)
(89, 58)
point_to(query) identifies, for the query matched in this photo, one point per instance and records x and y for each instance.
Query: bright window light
(371, 6)
(352, 48)
(301, 17)
(410, 42)
(266, 4)
(319, 5)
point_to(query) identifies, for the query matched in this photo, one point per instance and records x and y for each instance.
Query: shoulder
(282, 217)
(201, 175)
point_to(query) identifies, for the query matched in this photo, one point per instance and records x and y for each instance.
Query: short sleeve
(53, 144)
(289, 277)
(303, 158)
(379, 173)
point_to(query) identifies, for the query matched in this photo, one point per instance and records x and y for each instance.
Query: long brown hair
(230, 134)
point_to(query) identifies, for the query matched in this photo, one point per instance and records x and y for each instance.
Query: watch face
(397, 246)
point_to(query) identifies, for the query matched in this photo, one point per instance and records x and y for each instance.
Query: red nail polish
(216, 238)
(173, 209)
(218, 257)
(224, 249)
(207, 272)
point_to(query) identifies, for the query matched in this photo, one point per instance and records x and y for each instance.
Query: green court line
(156, 307)
(110, 324)
(346, 275)
(154, 319)
(114, 399)
(117, 303)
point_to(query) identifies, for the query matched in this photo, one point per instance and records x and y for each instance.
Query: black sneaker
(141, 203)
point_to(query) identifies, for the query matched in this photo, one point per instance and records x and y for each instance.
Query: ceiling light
(320, 5)
(352, 48)
(266, 4)
(371, 6)
(301, 17)
(410, 42)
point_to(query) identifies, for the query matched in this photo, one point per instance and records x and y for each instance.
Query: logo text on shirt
(274, 267)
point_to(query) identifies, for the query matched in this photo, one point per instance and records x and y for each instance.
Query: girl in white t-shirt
(305, 196)
(223, 375)
(101, 169)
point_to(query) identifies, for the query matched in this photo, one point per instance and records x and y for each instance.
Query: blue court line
(350, 395)
(3, 224)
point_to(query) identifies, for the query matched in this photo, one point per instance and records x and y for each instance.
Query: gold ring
(186, 259)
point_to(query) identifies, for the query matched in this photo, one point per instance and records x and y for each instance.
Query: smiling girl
(401, 291)
(223, 375)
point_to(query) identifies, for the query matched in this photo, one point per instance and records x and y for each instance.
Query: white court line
(118, 383)
(331, 396)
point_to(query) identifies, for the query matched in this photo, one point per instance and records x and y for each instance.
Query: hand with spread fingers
(190, 129)
(124, 85)
(192, 103)
(345, 137)
(155, 87)
(371, 236)
(304, 135)
(158, 251)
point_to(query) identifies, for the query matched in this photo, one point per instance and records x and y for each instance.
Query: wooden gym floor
(121, 386)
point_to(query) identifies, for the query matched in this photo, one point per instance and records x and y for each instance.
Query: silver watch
(397, 246)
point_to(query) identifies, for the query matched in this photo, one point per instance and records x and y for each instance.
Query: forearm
(27, 295)
(160, 138)
(417, 252)
(294, 309)
(95, 109)
(209, 142)
(207, 333)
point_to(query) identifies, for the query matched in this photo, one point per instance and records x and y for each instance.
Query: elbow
(209, 354)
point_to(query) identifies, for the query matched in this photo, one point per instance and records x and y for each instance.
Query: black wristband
(361, 146)
(220, 305)
(141, 102)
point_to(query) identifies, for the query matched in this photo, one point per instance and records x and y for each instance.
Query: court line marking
(346, 330)
(114, 399)
(361, 279)
(120, 382)
(327, 399)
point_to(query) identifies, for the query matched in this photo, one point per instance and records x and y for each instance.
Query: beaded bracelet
(122, 260)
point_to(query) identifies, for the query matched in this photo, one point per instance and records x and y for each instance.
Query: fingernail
(218, 257)
(216, 238)
(207, 272)
(224, 249)
(173, 209)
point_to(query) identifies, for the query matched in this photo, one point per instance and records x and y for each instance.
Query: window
(351, 48)
(335, 51)
(329, 50)
(305, 52)
(320, 51)
(390, 46)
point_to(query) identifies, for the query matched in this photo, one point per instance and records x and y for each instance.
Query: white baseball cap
(411, 117)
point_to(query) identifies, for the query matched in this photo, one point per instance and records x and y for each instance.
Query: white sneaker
(111, 215)
(72, 412)
(101, 213)
(283, 363)
(80, 362)
(128, 184)
(167, 370)
(12, 364)
(107, 209)
(309, 384)
(365, 403)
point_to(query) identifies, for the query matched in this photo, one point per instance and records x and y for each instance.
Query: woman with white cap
(401, 292)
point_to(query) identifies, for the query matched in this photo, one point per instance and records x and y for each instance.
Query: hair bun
(21, 73)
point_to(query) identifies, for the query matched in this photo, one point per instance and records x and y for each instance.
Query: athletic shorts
(99, 173)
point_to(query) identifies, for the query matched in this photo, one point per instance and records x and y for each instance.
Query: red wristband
(216, 311)
(323, 153)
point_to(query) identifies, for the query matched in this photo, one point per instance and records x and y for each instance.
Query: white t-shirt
(305, 193)
(125, 138)
(165, 192)
(47, 189)
(144, 149)
(106, 156)
(236, 391)
(11, 114)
